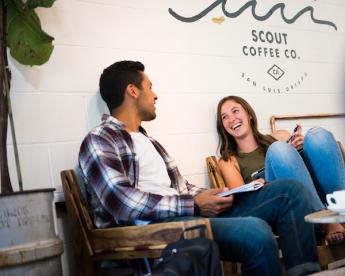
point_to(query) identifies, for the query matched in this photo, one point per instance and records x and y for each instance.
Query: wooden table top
(325, 216)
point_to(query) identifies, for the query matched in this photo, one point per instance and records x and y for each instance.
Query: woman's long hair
(227, 145)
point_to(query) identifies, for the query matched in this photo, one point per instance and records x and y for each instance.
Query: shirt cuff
(196, 210)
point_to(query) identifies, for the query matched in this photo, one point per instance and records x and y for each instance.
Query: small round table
(325, 216)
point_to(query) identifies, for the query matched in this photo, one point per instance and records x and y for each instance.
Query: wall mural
(257, 47)
(252, 4)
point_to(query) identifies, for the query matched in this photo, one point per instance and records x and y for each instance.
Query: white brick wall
(191, 66)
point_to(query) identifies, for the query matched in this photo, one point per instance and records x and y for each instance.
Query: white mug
(336, 199)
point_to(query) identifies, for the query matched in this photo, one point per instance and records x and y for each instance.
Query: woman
(244, 150)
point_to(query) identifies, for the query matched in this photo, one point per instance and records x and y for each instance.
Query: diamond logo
(275, 72)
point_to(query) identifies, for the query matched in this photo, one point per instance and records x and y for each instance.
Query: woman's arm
(231, 173)
(296, 139)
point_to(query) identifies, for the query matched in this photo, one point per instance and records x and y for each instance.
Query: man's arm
(103, 168)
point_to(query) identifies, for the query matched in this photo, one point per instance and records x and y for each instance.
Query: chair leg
(229, 268)
(84, 265)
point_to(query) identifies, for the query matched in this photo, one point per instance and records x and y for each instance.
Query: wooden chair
(327, 253)
(131, 242)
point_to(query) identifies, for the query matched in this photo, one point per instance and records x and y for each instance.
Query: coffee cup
(336, 200)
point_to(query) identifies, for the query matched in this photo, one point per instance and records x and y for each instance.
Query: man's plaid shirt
(110, 170)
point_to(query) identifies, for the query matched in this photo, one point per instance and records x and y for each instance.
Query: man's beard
(147, 116)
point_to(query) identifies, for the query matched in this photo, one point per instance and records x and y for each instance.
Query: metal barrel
(28, 241)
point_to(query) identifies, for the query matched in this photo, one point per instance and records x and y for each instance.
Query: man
(129, 177)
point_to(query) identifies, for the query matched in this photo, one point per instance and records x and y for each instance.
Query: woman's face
(236, 120)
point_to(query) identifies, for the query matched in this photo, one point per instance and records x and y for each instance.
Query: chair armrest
(143, 237)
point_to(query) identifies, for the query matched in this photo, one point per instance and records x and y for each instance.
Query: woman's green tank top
(250, 162)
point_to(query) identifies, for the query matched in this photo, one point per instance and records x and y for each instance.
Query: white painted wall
(191, 65)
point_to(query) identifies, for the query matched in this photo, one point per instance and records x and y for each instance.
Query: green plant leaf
(28, 43)
(32, 4)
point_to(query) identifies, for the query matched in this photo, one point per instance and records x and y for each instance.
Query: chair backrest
(80, 222)
(216, 179)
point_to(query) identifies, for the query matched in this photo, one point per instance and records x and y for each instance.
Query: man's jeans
(243, 233)
(322, 172)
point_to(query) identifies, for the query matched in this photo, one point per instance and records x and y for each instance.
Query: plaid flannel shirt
(109, 166)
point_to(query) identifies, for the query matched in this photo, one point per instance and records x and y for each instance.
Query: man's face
(146, 100)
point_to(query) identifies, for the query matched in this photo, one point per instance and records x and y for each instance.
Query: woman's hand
(297, 139)
(260, 180)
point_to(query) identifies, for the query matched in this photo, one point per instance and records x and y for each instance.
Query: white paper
(252, 186)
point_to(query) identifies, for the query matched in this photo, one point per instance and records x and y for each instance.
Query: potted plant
(30, 245)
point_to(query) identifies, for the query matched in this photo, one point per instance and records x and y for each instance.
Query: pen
(294, 131)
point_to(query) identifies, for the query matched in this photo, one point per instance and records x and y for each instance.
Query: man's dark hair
(116, 77)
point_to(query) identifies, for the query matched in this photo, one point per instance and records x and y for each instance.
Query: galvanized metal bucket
(28, 242)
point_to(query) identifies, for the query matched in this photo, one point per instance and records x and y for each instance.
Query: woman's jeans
(322, 170)
(244, 234)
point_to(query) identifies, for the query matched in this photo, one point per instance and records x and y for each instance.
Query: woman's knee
(318, 136)
(280, 151)
(277, 147)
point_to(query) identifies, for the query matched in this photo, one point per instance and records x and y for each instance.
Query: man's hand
(210, 204)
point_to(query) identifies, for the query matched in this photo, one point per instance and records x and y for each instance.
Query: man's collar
(110, 119)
